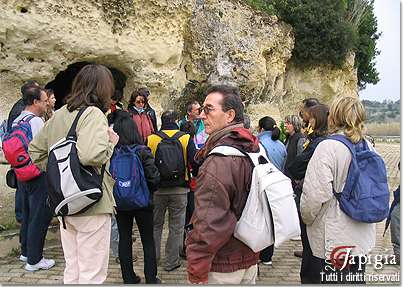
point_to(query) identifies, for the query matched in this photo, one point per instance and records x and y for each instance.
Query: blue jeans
(36, 216)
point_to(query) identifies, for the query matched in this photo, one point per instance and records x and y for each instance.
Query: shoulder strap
(103, 172)
(344, 140)
(362, 145)
(226, 150)
(26, 118)
(72, 131)
(178, 134)
(255, 157)
(162, 135)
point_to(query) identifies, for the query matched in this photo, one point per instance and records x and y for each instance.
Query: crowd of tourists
(100, 167)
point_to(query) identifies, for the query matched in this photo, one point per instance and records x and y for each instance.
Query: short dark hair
(92, 86)
(27, 85)
(144, 92)
(189, 107)
(126, 128)
(310, 102)
(30, 94)
(169, 116)
(230, 100)
(117, 95)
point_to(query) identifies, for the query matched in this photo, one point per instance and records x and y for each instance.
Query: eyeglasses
(140, 102)
(206, 110)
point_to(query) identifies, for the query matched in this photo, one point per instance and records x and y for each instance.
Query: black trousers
(267, 253)
(324, 273)
(190, 207)
(311, 266)
(145, 223)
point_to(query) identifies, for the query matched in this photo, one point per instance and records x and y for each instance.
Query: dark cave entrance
(61, 85)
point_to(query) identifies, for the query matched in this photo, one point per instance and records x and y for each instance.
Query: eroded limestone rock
(161, 44)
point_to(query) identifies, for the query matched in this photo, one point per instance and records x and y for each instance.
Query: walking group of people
(172, 169)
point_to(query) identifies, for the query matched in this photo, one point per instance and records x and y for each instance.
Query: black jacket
(151, 172)
(297, 168)
(292, 147)
(150, 111)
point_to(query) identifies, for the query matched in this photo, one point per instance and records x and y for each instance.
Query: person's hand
(113, 137)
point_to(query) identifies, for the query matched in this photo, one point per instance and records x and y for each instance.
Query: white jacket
(327, 225)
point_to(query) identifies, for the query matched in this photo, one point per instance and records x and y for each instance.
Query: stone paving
(285, 268)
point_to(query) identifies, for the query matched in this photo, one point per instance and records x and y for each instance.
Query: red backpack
(15, 147)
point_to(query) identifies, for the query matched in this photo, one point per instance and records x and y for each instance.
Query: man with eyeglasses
(36, 215)
(193, 116)
(214, 255)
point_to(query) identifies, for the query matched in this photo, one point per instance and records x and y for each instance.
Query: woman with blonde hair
(326, 224)
(86, 236)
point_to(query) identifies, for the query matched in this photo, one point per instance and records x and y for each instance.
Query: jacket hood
(234, 135)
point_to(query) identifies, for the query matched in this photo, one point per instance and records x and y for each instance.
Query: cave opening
(61, 84)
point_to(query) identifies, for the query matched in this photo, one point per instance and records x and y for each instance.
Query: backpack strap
(72, 131)
(361, 145)
(255, 157)
(26, 118)
(163, 135)
(353, 150)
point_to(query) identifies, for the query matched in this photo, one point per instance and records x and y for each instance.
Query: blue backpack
(365, 196)
(130, 189)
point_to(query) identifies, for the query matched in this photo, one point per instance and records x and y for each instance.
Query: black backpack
(170, 161)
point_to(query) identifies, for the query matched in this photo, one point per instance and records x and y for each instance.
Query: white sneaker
(267, 262)
(43, 264)
(23, 258)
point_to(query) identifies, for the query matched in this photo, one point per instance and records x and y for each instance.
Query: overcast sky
(388, 62)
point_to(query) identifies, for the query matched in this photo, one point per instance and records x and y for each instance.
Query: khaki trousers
(85, 243)
(243, 276)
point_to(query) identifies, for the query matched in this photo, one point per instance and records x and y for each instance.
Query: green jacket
(93, 148)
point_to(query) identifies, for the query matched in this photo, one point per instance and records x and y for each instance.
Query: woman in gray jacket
(330, 231)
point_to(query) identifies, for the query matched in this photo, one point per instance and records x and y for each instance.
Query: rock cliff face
(161, 44)
(322, 82)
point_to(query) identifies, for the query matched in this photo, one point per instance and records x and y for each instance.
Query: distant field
(383, 129)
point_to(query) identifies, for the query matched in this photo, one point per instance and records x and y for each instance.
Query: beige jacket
(93, 147)
(327, 225)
